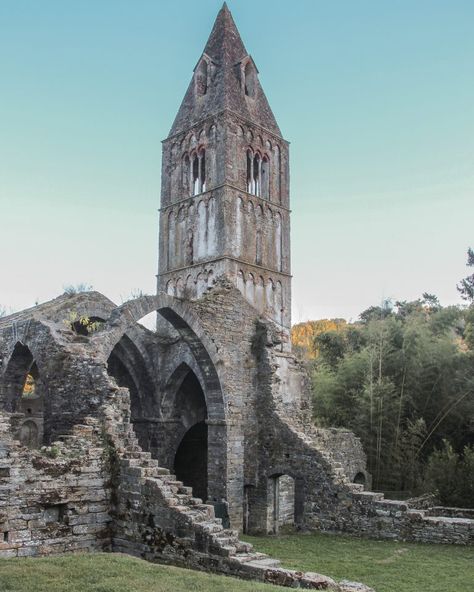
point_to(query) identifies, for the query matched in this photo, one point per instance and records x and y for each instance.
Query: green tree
(451, 475)
(402, 380)
(466, 285)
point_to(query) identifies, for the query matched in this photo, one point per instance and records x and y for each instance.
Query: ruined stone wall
(65, 364)
(345, 448)
(325, 499)
(259, 414)
(53, 500)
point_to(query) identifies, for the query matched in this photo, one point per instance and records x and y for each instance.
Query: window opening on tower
(198, 170)
(257, 175)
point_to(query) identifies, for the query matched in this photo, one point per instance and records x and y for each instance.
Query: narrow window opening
(201, 78)
(185, 179)
(203, 171)
(199, 172)
(257, 175)
(265, 178)
(195, 175)
(5, 537)
(249, 172)
(249, 80)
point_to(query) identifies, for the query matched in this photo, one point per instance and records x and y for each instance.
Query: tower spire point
(219, 80)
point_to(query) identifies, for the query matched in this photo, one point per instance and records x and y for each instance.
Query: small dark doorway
(190, 463)
(360, 479)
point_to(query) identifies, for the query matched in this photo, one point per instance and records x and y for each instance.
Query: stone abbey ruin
(166, 444)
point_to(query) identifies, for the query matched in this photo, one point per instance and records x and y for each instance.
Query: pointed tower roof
(225, 56)
(225, 44)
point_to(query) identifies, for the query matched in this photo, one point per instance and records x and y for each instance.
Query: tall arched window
(265, 178)
(258, 172)
(198, 171)
(250, 178)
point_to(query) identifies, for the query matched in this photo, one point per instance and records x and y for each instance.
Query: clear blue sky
(376, 97)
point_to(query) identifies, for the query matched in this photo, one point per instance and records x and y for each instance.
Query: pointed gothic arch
(127, 365)
(184, 421)
(202, 360)
(21, 392)
(19, 365)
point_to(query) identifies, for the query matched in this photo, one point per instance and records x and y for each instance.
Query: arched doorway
(360, 479)
(185, 422)
(21, 393)
(190, 462)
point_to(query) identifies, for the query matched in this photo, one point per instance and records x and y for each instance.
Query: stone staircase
(136, 463)
(217, 548)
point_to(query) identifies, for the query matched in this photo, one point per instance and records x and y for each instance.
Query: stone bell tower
(225, 184)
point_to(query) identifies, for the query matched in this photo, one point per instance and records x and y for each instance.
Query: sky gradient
(376, 97)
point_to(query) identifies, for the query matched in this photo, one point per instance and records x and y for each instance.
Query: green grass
(103, 572)
(385, 565)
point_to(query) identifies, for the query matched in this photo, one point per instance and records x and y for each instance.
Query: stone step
(225, 541)
(243, 547)
(267, 562)
(226, 550)
(247, 557)
(205, 509)
(211, 526)
(368, 495)
(227, 532)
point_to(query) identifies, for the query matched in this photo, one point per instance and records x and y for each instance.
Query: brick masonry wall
(53, 500)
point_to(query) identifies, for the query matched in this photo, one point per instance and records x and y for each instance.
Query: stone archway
(15, 376)
(128, 367)
(201, 361)
(360, 479)
(190, 462)
(21, 393)
(184, 420)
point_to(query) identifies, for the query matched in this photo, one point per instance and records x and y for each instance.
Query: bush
(451, 476)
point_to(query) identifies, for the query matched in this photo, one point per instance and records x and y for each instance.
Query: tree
(376, 312)
(403, 380)
(466, 286)
(3, 311)
(303, 335)
(451, 475)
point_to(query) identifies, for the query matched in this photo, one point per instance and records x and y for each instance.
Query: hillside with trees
(402, 378)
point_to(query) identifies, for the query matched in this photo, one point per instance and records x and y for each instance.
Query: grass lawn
(103, 572)
(385, 565)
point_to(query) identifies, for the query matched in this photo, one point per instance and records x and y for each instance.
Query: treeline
(402, 378)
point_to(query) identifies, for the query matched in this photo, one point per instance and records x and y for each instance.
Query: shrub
(452, 475)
